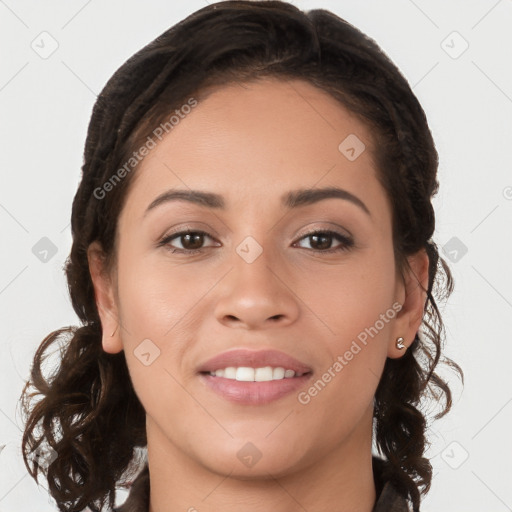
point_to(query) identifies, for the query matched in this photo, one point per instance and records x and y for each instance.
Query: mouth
(253, 377)
(254, 386)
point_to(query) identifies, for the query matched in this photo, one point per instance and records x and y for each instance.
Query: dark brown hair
(87, 410)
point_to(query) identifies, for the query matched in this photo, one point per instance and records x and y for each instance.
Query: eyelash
(347, 243)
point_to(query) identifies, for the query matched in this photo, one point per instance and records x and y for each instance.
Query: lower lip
(254, 393)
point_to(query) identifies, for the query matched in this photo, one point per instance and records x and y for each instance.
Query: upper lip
(253, 359)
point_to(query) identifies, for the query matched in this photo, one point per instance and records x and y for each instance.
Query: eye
(191, 241)
(322, 241)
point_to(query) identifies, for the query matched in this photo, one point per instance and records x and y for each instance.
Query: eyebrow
(292, 199)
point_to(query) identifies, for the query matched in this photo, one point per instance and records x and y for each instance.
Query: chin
(255, 458)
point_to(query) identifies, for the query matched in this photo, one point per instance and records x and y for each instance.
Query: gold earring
(400, 343)
(114, 332)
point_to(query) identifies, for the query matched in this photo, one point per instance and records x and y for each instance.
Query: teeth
(246, 374)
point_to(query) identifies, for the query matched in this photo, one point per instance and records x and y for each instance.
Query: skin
(251, 144)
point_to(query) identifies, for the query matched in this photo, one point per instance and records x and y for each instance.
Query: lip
(254, 359)
(254, 393)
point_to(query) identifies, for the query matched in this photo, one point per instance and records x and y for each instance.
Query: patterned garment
(388, 498)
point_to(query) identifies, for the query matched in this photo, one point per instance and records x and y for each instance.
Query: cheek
(351, 298)
(154, 304)
(344, 388)
(355, 306)
(154, 295)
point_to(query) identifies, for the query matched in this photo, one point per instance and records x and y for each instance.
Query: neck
(341, 481)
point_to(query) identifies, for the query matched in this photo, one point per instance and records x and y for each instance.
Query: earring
(114, 332)
(400, 343)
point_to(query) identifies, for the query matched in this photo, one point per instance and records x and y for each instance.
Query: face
(252, 274)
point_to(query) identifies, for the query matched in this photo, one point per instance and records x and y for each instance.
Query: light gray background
(45, 109)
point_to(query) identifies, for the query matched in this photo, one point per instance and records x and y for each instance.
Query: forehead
(250, 141)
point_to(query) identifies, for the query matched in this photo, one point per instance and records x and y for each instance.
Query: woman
(254, 269)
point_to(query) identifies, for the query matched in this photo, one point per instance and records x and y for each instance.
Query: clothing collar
(388, 498)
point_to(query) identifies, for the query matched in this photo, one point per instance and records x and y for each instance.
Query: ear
(105, 299)
(412, 295)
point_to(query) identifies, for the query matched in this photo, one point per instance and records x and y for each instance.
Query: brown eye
(321, 241)
(190, 241)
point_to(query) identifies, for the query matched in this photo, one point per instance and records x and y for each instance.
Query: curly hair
(87, 411)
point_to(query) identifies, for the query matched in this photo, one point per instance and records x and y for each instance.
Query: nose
(256, 295)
